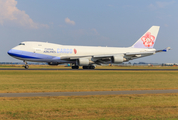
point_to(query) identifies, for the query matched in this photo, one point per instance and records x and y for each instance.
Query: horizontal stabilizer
(164, 50)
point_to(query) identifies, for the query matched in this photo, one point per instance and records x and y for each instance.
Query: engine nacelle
(82, 62)
(117, 59)
(53, 63)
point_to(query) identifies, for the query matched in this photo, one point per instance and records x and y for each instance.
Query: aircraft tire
(88, 67)
(91, 67)
(85, 67)
(75, 67)
(26, 66)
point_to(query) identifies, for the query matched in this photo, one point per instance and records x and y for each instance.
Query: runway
(52, 94)
(51, 69)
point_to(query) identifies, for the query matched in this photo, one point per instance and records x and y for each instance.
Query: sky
(112, 23)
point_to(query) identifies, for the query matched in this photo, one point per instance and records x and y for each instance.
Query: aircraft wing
(105, 58)
(130, 54)
(108, 58)
(139, 53)
(93, 56)
(126, 56)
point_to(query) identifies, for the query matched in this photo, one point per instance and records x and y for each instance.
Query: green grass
(35, 66)
(97, 67)
(136, 67)
(109, 107)
(132, 107)
(55, 81)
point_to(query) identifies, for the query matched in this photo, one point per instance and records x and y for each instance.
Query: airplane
(86, 56)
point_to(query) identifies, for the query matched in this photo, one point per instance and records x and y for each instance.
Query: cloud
(160, 4)
(9, 13)
(68, 21)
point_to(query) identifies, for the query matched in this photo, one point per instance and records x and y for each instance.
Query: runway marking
(52, 94)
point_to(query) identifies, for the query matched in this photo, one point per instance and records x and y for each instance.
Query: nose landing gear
(26, 65)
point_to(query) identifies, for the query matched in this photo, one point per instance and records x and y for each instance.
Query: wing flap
(139, 53)
(102, 56)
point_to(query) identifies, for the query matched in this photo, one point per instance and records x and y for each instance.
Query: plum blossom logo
(75, 51)
(148, 39)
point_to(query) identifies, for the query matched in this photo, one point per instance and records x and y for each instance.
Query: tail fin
(148, 39)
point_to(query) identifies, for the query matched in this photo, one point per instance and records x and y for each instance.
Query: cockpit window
(22, 44)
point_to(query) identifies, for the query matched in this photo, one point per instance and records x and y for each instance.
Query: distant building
(170, 64)
(146, 64)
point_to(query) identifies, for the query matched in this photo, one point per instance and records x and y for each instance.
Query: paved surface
(47, 94)
(91, 69)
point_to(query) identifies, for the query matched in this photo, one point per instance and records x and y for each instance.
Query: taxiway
(52, 94)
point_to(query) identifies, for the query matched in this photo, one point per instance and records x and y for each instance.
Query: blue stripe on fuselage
(28, 55)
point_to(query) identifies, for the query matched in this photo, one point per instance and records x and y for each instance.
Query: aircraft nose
(10, 52)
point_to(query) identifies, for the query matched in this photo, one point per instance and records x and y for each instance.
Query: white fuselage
(49, 52)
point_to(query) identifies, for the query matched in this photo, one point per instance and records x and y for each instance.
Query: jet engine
(82, 62)
(53, 63)
(117, 59)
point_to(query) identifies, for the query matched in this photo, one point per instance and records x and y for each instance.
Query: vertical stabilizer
(148, 39)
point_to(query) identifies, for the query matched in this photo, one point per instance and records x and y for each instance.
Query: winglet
(148, 39)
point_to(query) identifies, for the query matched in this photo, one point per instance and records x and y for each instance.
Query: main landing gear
(75, 67)
(84, 67)
(88, 67)
(26, 65)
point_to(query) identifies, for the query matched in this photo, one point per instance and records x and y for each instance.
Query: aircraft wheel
(75, 67)
(26, 66)
(88, 67)
(91, 67)
(85, 67)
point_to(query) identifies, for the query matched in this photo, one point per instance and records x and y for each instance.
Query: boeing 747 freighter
(86, 56)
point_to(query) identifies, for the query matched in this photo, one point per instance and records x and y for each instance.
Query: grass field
(91, 107)
(97, 67)
(55, 81)
(109, 107)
